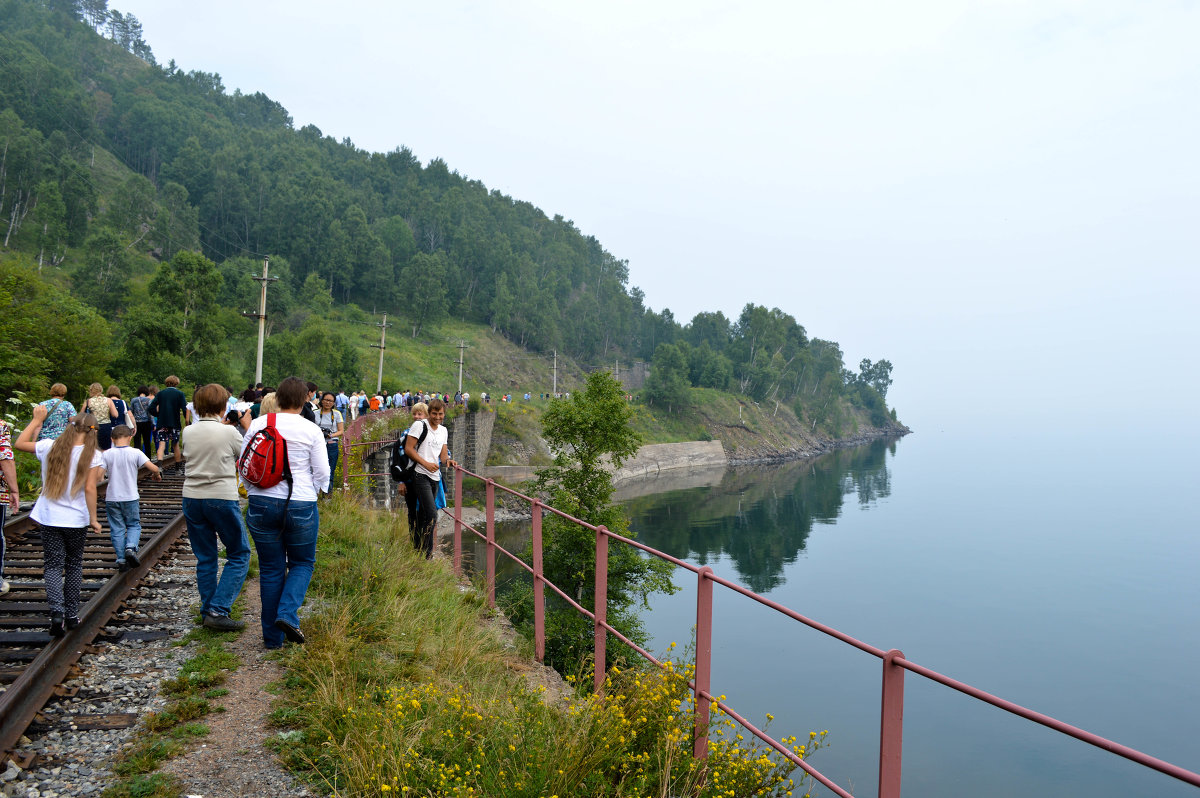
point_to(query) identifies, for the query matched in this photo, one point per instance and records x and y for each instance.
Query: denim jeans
(124, 526)
(211, 522)
(285, 536)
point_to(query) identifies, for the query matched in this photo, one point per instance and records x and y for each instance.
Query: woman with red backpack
(282, 514)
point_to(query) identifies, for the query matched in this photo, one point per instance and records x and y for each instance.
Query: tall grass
(405, 688)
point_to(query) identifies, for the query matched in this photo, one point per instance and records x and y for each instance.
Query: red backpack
(264, 461)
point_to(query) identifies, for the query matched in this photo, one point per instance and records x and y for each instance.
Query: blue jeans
(285, 536)
(124, 526)
(211, 522)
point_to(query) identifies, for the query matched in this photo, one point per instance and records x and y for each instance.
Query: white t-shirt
(69, 510)
(307, 456)
(122, 464)
(431, 448)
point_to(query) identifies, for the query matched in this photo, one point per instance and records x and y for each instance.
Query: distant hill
(117, 170)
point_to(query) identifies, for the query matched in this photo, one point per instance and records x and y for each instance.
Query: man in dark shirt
(168, 406)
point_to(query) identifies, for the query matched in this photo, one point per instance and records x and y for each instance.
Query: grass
(405, 688)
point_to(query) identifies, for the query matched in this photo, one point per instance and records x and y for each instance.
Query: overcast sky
(999, 197)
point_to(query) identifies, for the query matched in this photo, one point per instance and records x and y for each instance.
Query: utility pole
(555, 392)
(382, 345)
(462, 345)
(261, 316)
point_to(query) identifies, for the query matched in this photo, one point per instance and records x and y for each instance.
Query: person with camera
(333, 426)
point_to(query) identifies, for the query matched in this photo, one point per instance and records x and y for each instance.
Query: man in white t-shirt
(426, 476)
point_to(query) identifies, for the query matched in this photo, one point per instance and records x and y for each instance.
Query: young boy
(426, 475)
(122, 462)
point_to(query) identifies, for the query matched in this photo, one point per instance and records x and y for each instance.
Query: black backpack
(400, 465)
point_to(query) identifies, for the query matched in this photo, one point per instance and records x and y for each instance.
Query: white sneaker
(4, 586)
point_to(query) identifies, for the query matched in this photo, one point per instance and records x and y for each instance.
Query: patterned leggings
(62, 553)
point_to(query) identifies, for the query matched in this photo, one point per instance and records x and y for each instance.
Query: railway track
(32, 663)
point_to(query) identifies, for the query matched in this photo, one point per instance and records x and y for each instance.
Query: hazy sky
(999, 197)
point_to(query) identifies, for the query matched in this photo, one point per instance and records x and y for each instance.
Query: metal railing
(891, 733)
(891, 724)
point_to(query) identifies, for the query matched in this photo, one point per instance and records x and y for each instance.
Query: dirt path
(232, 761)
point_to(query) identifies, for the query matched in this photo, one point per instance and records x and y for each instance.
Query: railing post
(704, 596)
(891, 726)
(601, 606)
(458, 490)
(491, 543)
(539, 587)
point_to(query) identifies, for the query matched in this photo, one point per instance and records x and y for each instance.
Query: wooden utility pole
(382, 345)
(462, 345)
(261, 316)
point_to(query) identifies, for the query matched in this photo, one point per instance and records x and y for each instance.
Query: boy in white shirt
(121, 501)
(426, 475)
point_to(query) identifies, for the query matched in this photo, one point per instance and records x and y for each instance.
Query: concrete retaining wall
(649, 462)
(658, 457)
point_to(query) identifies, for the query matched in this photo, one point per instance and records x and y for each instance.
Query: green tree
(314, 294)
(103, 278)
(177, 225)
(50, 224)
(152, 345)
(424, 298)
(132, 206)
(668, 381)
(188, 284)
(46, 334)
(877, 375)
(589, 433)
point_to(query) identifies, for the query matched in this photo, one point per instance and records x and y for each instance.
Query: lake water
(1059, 574)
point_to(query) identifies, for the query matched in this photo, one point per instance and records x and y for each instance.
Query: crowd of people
(203, 440)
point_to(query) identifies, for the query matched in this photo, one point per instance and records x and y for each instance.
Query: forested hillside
(138, 200)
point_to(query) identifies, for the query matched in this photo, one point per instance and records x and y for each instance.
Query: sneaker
(131, 557)
(292, 633)
(73, 623)
(122, 566)
(4, 586)
(56, 624)
(223, 623)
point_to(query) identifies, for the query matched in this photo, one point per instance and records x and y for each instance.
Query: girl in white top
(71, 468)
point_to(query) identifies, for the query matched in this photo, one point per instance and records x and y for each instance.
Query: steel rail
(24, 698)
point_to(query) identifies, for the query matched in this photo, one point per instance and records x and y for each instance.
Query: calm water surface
(1061, 576)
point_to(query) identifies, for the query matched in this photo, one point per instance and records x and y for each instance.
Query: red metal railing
(891, 731)
(891, 724)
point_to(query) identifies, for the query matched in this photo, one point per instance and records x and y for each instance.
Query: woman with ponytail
(71, 468)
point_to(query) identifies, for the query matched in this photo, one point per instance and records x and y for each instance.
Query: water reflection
(760, 517)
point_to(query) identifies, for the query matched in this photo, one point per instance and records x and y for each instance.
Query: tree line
(113, 168)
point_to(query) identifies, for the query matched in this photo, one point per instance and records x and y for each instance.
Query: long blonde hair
(58, 461)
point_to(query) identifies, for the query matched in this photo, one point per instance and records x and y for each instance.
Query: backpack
(264, 461)
(400, 465)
